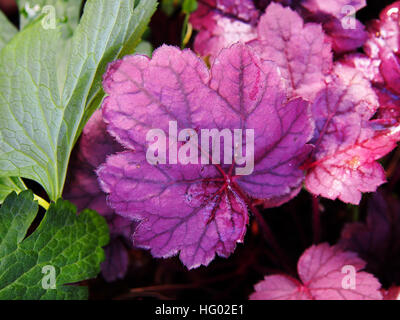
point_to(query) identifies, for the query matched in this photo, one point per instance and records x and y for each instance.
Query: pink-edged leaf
(336, 8)
(347, 144)
(389, 103)
(222, 23)
(384, 45)
(336, 16)
(345, 40)
(280, 287)
(301, 50)
(199, 210)
(322, 271)
(364, 64)
(378, 240)
(84, 191)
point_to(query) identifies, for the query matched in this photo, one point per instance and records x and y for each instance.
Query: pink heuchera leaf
(345, 40)
(222, 23)
(84, 191)
(332, 7)
(364, 64)
(381, 65)
(383, 45)
(347, 144)
(199, 210)
(378, 240)
(345, 33)
(320, 269)
(300, 50)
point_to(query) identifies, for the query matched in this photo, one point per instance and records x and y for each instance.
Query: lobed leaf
(347, 144)
(68, 243)
(193, 209)
(301, 51)
(320, 270)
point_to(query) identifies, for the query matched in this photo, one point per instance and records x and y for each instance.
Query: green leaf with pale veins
(7, 30)
(68, 242)
(45, 101)
(8, 185)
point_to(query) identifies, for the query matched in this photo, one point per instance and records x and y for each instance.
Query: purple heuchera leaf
(199, 210)
(345, 40)
(378, 240)
(347, 144)
(345, 33)
(300, 50)
(321, 278)
(381, 65)
(383, 45)
(222, 23)
(364, 64)
(84, 191)
(332, 7)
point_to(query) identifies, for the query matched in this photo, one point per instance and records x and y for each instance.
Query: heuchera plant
(303, 99)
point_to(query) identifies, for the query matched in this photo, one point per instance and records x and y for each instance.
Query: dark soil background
(232, 278)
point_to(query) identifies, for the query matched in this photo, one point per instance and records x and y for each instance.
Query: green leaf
(7, 30)
(68, 243)
(170, 6)
(144, 48)
(45, 101)
(66, 11)
(8, 185)
(189, 6)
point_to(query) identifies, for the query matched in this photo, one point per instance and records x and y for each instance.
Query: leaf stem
(188, 35)
(43, 203)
